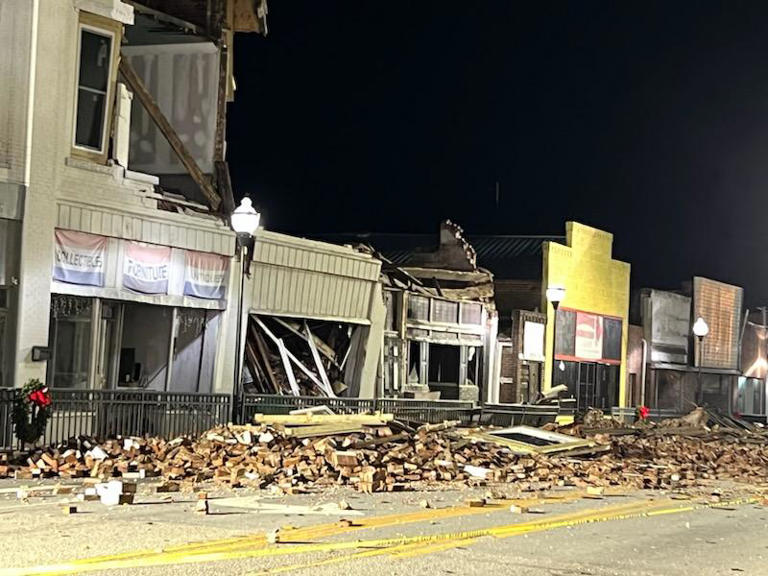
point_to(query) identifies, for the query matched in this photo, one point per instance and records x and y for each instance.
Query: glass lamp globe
(245, 220)
(700, 327)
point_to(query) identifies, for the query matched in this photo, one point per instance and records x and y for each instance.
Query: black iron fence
(109, 413)
(403, 408)
(105, 413)
(629, 415)
(519, 414)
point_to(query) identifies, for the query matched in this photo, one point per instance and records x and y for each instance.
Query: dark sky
(646, 119)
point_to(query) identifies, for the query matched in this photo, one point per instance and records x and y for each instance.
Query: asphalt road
(635, 534)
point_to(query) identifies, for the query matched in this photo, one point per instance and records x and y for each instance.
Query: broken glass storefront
(434, 348)
(103, 344)
(680, 389)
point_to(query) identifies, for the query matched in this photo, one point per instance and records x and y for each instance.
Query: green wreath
(31, 409)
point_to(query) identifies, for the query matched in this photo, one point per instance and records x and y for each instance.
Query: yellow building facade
(592, 320)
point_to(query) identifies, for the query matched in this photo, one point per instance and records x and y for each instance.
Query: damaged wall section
(301, 287)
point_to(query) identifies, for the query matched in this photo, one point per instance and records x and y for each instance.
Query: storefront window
(144, 347)
(444, 363)
(593, 385)
(194, 350)
(3, 338)
(669, 386)
(750, 396)
(10, 241)
(70, 341)
(108, 357)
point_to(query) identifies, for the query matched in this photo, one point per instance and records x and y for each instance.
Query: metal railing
(519, 414)
(432, 411)
(629, 414)
(107, 413)
(276, 404)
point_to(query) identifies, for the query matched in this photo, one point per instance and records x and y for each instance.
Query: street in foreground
(562, 532)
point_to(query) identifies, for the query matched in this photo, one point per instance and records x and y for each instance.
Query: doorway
(598, 386)
(444, 361)
(593, 385)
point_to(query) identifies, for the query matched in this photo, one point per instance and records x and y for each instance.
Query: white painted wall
(15, 53)
(38, 65)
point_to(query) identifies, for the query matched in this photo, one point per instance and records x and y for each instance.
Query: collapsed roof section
(449, 271)
(177, 65)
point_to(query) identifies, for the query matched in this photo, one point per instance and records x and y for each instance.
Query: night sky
(649, 120)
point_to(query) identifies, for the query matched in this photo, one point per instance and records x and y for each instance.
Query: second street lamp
(700, 330)
(245, 222)
(555, 295)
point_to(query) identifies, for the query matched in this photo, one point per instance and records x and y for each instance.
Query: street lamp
(700, 330)
(245, 222)
(555, 295)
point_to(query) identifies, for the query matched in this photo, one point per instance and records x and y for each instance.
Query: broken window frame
(113, 30)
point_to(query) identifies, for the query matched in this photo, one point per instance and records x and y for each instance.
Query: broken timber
(541, 441)
(149, 104)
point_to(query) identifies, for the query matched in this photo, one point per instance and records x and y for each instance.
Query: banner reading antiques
(146, 268)
(205, 275)
(79, 258)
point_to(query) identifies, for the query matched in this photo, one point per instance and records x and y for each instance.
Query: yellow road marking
(311, 533)
(420, 545)
(635, 509)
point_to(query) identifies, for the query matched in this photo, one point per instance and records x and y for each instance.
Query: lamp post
(555, 295)
(245, 222)
(700, 330)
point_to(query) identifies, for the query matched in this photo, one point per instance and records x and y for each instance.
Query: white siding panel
(202, 236)
(304, 278)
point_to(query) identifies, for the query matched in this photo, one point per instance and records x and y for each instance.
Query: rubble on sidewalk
(374, 452)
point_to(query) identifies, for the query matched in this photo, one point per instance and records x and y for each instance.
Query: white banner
(80, 258)
(205, 275)
(146, 268)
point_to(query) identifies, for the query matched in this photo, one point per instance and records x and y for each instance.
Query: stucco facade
(595, 285)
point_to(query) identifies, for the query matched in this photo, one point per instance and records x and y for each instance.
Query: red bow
(644, 411)
(40, 397)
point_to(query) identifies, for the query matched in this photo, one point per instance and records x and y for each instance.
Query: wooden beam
(264, 353)
(318, 363)
(287, 367)
(224, 186)
(287, 355)
(149, 104)
(221, 99)
(323, 348)
(478, 277)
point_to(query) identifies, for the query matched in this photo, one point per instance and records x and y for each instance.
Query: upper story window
(98, 44)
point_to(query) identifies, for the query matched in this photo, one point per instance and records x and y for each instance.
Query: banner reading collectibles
(79, 258)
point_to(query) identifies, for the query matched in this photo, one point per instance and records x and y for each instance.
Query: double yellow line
(422, 545)
(293, 542)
